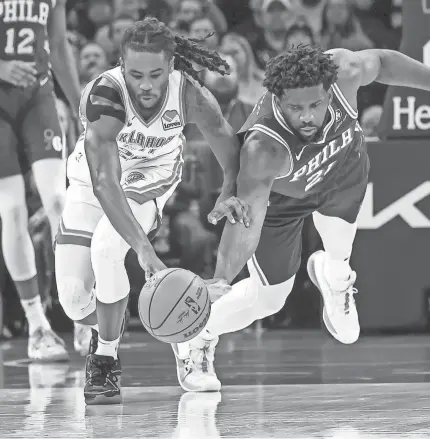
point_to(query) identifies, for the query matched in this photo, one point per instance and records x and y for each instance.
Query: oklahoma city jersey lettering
(313, 163)
(23, 31)
(156, 141)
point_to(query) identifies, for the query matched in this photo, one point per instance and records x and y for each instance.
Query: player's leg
(73, 270)
(330, 270)
(272, 273)
(17, 246)
(42, 136)
(147, 192)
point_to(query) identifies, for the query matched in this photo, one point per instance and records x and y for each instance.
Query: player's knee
(77, 302)
(14, 214)
(272, 298)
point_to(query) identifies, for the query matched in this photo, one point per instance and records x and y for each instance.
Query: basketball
(174, 305)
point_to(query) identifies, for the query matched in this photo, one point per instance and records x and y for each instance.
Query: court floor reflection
(282, 384)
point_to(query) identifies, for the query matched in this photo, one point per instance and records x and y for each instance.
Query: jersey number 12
(19, 41)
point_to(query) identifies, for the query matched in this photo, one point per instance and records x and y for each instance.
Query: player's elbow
(102, 185)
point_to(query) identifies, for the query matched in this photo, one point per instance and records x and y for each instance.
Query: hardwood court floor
(280, 384)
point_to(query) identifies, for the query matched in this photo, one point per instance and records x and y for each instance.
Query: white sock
(108, 348)
(35, 315)
(234, 311)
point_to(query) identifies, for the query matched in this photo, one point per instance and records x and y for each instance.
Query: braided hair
(152, 35)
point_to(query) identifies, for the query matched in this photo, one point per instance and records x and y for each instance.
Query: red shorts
(278, 255)
(29, 127)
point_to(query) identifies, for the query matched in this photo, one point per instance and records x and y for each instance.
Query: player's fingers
(245, 212)
(230, 217)
(216, 215)
(21, 78)
(18, 80)
(235, 208)
(28, 67)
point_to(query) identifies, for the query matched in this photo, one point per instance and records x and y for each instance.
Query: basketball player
(32, 35)
(303, 154)
(125, 166)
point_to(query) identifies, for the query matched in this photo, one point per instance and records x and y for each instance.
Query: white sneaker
(81, 338)
(194, 365)
(46, 345)
(340, 313)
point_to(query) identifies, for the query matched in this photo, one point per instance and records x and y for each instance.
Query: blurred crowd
(247, 33)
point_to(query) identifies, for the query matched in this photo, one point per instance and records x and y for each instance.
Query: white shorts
(82, 210)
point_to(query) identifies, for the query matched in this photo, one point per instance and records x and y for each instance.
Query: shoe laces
(100, 372)
(202, 354)
(344, 300)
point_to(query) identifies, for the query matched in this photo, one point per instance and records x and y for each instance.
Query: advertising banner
(407, 110)
(392, 249)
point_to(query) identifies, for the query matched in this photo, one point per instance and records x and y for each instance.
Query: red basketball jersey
(312, 163)
(24, 33)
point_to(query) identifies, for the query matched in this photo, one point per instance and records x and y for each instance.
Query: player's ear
(171, 65)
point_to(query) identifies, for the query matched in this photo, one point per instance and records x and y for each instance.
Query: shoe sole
(216, 388)
(102, 399)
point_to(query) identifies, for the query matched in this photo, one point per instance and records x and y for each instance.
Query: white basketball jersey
(157, 141)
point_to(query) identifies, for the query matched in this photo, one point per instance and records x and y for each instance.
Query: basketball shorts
(278, 255)
(82, 210)
(29, 127)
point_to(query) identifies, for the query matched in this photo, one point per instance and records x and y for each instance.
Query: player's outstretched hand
(18, 73)
(217, 288)
(233, 208)
(150, 264)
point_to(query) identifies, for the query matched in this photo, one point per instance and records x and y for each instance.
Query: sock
(233, 311)
(108, 348)
(35, 315)
(95, 327)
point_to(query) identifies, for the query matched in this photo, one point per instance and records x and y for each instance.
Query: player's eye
(155, 76)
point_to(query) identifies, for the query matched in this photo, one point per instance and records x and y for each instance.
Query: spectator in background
(341, 28)
(277, 16)
(92, 15)
(250, 77)
(311, 12)
(190, 10)
(226, 91)
(109, 37)
(201, 28)
(299, 34)
(92, 62)
(129, 8)
(376, 24)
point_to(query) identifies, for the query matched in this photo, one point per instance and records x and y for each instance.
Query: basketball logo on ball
(174, 305)
(192, 304)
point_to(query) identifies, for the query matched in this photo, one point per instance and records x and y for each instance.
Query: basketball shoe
(103, 384)
(194, 364)
(45, 345)
(339, 313)
(102, 373)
